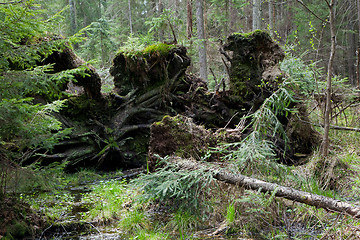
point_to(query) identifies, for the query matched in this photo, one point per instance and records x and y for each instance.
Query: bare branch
(303, 4)
(14, 2)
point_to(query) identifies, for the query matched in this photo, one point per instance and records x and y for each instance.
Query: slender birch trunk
(130, 18)
(325, 141)
(271, 17)
(256, 15)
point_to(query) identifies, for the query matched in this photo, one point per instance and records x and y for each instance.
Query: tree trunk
(358, 50)
(325, 142)
(233, 17)
(349, 56)
(271, 17)
(227, 17)
(201, 37)
(130, 18)
(189, 19)
(280, 191)
(160, 11)
(72, 17)
(256, 15)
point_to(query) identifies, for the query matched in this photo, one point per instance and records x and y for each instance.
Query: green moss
(160, 49)
(18, 230)
(246, 64)
(252, 34)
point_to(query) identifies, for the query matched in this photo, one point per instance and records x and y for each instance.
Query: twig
(302, 3)
(231, 119)
(14, 2)
(45, 231)
(212, 72)
(92, 225)
(344, 108)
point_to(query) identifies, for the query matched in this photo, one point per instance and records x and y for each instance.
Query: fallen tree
(280, 191)
(113, 131)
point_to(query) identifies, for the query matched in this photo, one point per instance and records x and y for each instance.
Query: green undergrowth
(175, 203)
(161, 205)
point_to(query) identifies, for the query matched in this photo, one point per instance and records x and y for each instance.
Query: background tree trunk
(271, 17)
(160, 11)
(325, 142)
(256, 15)
(358, 50)
(130, 18)
(189, 19)
(72, 17)
(201, 37)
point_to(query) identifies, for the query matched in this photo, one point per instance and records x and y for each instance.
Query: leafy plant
(133, 220)
(153, 234)
(257, 153)
(20, 121)
(230, 213)
(172, 184)
(183, 221)
(110, 195)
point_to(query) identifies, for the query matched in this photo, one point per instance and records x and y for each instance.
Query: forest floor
(93, 205)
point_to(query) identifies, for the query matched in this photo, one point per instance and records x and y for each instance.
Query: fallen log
(338, 127)
(280, 191)
(344, 128)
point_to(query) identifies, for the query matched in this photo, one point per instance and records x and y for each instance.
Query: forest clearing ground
(227, 212)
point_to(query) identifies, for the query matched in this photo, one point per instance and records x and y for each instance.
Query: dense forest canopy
(109, 23)
(189, 92)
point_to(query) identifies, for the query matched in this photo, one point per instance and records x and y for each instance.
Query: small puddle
(78, 206)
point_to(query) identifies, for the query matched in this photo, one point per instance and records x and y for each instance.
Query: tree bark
(350, 56)
(189, 19)
(271, 17)
(358, 49)
(280, 191)
(256, 15)
(325, 142)
(160, 11)
(201, 37)
(72, 17)
(130, 18)
(227, 14)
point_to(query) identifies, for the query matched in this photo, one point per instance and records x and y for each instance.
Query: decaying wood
(339, 127)
(67, 59)
(280, 191)
(345, 128)
(154, 84)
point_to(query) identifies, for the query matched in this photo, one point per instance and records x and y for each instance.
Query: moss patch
(178, 136)
(150, 66)
(253, 53)
(161, 49)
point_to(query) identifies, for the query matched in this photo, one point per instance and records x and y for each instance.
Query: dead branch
(346, 107)
(14, 2)
(339, 127)
(312, 12)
